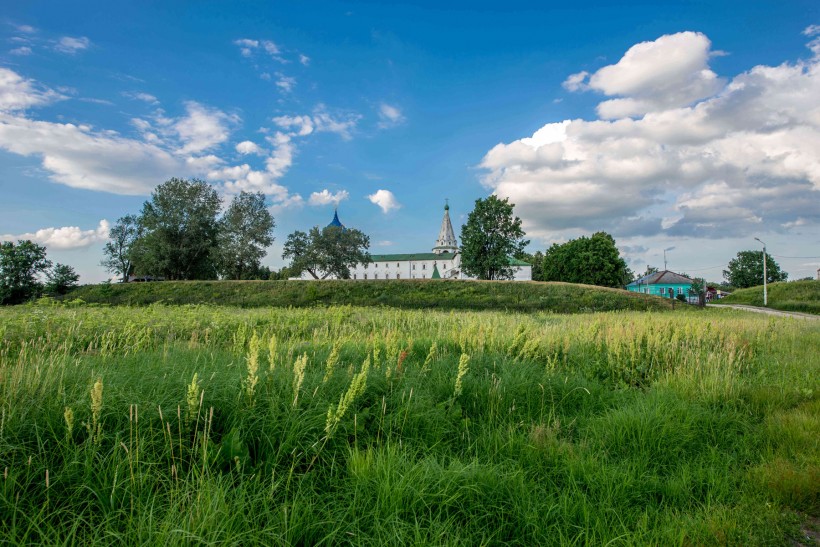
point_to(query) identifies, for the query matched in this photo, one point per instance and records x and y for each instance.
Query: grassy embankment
(408, 294)
(376, 426)
(802, 296)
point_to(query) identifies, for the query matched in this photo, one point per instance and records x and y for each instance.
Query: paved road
(767, 311)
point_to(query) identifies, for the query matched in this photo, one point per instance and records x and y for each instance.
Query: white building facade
(443, 262)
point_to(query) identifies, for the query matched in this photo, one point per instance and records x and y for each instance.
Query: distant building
(660, 283)
(443, 262)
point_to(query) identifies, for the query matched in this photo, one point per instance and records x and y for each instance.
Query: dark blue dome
(335, 222)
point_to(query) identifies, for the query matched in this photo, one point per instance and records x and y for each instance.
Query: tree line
(26, 273)
(180, 235)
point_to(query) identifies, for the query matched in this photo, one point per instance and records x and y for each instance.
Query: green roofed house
(659, 284)
(444, 262)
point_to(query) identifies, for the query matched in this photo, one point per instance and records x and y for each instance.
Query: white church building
(443, 262)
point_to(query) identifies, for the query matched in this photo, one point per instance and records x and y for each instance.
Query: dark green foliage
(331, 251)
(117, 251)
(490, 238)
(21, 266)
(61, 279)
(746, 270)
(245, 230)
(589, 260)
(406, 293)
(180, 223)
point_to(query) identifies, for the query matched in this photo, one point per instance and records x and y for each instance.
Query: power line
(778, 256)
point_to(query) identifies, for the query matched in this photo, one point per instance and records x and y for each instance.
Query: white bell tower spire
(446, 242)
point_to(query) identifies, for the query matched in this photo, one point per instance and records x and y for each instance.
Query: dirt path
(768, 311)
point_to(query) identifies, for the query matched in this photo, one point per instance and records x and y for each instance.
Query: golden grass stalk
(298, 376)
(253, 366)
(463, 368)
(335, 413)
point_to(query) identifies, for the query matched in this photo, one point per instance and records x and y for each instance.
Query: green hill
(521, 296)
(802, 296)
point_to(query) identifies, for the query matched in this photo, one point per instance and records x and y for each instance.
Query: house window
(680, 289)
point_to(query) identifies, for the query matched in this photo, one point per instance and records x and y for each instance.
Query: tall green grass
(802, 296)
(346, 425)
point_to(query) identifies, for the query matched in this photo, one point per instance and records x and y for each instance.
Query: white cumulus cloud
(66, 237)
(203, 128)
(709, 162)
(385, 200)
(248, 147)
(672, 71)
(326, 197)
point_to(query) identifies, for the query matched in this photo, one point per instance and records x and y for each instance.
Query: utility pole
(765, 295)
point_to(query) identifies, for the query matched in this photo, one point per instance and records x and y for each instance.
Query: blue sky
(686, 126)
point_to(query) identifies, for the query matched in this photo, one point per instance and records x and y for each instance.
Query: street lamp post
(765, 295)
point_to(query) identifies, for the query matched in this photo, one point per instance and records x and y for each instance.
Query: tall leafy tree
(118, 251)
(490, 237)
(21, 267)
(331, 251)
(746, 270)
(590, 260)
(61, 279)
(245, 230)
(180, 223)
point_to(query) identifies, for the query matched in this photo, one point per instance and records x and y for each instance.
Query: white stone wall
(418, 269)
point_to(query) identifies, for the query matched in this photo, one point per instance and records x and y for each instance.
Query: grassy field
(413, 294)
(802, 296)
(375, 426)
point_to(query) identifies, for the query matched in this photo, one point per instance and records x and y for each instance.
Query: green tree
(245, 230)
(746, 270)
(490, 237)
(21, 266)
(590, 260)
(118, 250)
(180, 223)
(331, 251)
(61, 279)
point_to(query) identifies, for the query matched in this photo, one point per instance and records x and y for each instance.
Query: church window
(424, 266)
(397, 264)
(387, 276)
(398, 276)
(414, 266)
(375, 265)
(354, 276)
(375, 276)
(365, 276)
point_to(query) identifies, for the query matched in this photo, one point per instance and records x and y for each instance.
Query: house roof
(663, 278)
